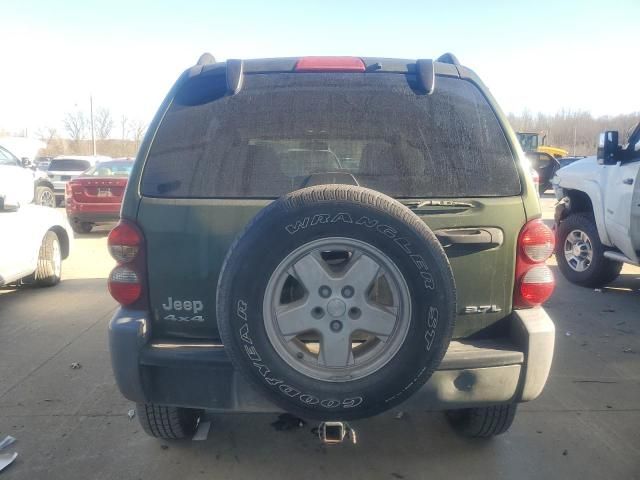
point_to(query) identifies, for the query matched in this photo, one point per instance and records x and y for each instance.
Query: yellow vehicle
(531, 142)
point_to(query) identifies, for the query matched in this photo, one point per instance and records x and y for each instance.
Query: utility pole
(93, 136)
(575, 135)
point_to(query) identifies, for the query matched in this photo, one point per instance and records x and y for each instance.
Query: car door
(621, 199)
(14, 178)
(16, 228)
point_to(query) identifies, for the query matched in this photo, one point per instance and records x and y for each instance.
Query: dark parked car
(330, 236)
(95, 197)
(546, 166)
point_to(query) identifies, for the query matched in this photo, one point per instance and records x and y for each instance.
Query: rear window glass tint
(281, 129)
(69, 165)
(110, 169)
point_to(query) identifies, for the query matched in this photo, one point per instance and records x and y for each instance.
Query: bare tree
(103, 123)
(124, 125)
(76, 125)
(576, 131)
(47, 134)
(138, 128)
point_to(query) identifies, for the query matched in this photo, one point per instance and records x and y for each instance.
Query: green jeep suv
(330, 236)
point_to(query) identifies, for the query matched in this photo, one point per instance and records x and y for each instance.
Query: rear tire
(49, 267)
(483, 422)
(45, 196)
(170, 423)
(600, 270)
(81, 227)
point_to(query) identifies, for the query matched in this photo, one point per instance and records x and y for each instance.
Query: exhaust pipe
(333, 433)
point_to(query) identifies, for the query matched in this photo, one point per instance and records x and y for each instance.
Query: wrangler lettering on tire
(337, 302)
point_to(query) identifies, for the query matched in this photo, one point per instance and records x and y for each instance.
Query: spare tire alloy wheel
(337, 302)
(336, 309)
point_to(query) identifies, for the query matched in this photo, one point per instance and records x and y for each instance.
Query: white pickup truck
(33, 239)
(597, 217)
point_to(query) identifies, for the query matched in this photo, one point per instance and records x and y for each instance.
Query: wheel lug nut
(354, 313)
(324, 291)
(348, 291)
(317, 312)
(335, 326)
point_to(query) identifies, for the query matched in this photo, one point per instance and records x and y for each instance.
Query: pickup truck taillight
(126, 281)
(534, 280)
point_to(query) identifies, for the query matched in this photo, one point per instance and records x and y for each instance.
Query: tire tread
(483, 422)
(45, 274)
(170, 423)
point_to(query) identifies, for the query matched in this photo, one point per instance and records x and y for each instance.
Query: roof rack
(235, 70)
(206, 59)
(448, 58)
(426, 75)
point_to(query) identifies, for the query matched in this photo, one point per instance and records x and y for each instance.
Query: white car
(598, 214)
(33, 239)
(65, 168)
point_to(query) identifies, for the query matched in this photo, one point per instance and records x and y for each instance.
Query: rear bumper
(473, 373)
(85, 212)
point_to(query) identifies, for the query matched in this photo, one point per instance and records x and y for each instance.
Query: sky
(542, 56)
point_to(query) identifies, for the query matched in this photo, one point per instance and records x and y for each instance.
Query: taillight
(124, 285)
(126, 281)
(534, 280)
(124, 242)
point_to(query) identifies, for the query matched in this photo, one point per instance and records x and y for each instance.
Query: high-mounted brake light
(534, 280)
(330, 64)
(126, 281)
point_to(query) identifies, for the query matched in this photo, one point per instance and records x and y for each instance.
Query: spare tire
(337, 302)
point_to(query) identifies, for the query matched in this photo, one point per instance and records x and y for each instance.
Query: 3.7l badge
(481, 309)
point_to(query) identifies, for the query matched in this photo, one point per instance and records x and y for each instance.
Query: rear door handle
(470, 236)
(628, 181)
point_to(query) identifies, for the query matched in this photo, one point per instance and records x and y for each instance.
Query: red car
(95, 197)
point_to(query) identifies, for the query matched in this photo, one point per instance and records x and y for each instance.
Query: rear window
(69, 165)
(282, 129)
(110, 169)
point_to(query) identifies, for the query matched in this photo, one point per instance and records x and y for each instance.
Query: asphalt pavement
(72, 423)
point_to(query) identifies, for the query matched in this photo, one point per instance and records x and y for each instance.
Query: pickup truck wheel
(49, 267)
(337, 302)
(482, 422)
(45, 196)
(580, 254)
(170, 423)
